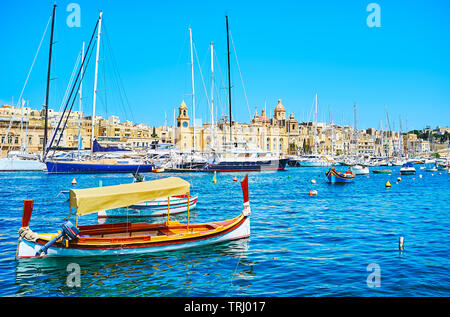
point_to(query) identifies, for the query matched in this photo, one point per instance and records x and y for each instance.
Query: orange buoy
(312, 192)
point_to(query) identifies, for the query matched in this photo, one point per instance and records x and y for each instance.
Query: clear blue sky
(286, 50)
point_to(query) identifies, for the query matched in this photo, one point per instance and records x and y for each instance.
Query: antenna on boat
(44, 144)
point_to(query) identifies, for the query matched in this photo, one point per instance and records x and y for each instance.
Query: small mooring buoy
(401, 242)
(388, 184)
(399, 179)
(313, 181)
(235, 179)
(312, 192)
(215, 178)
(74, 181)
(420, 176)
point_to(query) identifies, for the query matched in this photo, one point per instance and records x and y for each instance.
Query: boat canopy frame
(90, 200)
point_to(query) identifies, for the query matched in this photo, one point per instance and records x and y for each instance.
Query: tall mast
(95, 79)
(81, 105)
(229, 77)
(44, 145)
(212, 95)
(193, 89)
(315, 124)
(355, 130)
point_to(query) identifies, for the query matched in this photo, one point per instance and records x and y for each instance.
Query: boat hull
(137, 245)
(382, 171)
(315, 164)
(56, 167)
(407, 171)
(244, 166)
(154, 208)
(10, 165)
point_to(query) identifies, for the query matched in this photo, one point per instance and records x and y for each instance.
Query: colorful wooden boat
(153, 208)
(125, 237)
(382, 171)
(339, 177)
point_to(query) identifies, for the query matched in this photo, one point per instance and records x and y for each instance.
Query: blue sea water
(300, 245)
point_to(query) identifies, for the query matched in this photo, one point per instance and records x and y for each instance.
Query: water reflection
(187, 272)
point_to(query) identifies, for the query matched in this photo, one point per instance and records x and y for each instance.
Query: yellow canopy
(91, 200)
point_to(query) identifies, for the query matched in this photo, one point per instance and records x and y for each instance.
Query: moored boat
(98, 166)
(407, 169)
(339, 177)
(125, 237)
(360, 170)
(386, 171)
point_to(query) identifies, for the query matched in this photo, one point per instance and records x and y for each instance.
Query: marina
(238, 193)
(352, 225)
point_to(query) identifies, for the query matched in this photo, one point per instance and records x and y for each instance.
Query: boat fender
(247, 210)
(28, 234)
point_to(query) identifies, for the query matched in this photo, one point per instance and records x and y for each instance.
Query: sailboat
(315, 160)
(96, 165)
(237, 156)
(23, 161)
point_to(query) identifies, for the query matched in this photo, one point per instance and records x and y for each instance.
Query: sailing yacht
(315, 160)
(96, 163)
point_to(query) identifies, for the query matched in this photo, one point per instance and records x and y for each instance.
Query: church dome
(279, 107)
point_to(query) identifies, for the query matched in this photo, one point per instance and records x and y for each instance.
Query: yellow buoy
(214, 178)
(388, 184)
(74, 181)
(313, 181)
(235, 179)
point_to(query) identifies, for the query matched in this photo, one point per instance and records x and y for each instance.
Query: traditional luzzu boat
(125, 237)
(153, 208)
(339, 177)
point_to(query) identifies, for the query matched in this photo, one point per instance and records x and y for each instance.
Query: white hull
(28, 248)
(16, 164)
(360, 171)
(315, 164)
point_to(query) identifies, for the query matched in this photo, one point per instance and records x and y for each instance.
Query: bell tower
(183, 118)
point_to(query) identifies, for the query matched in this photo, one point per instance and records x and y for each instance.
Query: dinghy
(125, 237)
